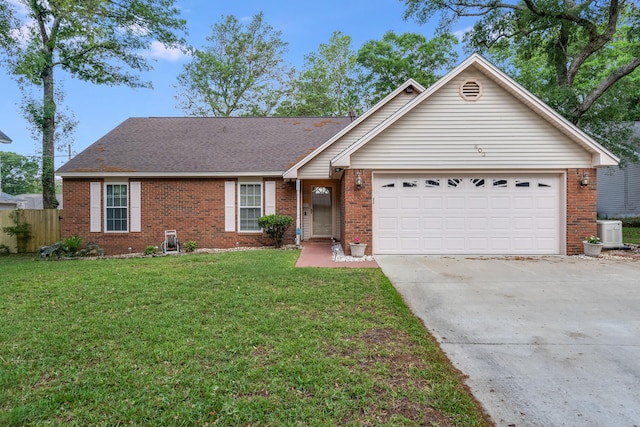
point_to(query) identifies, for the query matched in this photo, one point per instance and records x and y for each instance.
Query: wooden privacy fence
(46, 228)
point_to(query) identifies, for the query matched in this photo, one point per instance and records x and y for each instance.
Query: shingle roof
(205, 144)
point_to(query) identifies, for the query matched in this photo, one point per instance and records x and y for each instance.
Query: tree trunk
(48, 141)
(560, 56)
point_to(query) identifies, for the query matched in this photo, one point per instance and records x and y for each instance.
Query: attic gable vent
(471, 91)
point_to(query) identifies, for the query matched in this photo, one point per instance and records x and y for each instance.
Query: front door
(322, 211)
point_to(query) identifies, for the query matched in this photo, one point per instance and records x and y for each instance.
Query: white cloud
(19, 7)
(461, 33)
(160, 51)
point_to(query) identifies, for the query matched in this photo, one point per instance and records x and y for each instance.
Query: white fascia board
(169, 174)
(600, 160)
(292, 172)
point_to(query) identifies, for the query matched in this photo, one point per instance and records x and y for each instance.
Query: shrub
(631, 222)
(21, 229)
(190, 246)
(150, 250)
(4, 250)
(275, 226)
(72, 245)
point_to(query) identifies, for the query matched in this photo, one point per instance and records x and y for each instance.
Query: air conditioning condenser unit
(610, 233)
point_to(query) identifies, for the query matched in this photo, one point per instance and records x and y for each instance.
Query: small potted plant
(357, 248)
(592, 246)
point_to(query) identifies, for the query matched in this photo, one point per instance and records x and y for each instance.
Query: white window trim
(249, 182)
(107, 207)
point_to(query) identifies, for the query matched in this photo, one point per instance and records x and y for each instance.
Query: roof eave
(164, 174)
(292, 172)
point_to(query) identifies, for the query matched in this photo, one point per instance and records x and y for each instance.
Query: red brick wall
(193, 207)
(581, 209)
(357, 210)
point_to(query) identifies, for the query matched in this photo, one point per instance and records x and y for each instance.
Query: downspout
(298, 225)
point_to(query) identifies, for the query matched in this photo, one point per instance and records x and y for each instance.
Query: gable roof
(410, 84)
(203, 146)
(600, 155)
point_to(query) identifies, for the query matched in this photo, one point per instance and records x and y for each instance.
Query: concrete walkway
(318, 254)
(544, 341)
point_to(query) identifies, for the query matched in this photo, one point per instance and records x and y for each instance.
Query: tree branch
(596, 41)
(603, 86)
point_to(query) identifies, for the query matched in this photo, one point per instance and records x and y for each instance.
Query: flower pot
(592, 249)
(357, 249)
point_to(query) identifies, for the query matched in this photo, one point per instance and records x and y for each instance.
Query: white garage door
(466, 214)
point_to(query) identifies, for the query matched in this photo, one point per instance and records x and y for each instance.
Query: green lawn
(230, 339)
(631, 235)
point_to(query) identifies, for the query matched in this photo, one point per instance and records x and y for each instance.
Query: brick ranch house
(474, 164)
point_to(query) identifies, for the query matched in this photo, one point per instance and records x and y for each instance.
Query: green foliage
(275, 226)
(328, 83)
(389, 62)
(21, 229)
(240, 338)
(631, 221)
(5, 250)
(592, 239)
(19, 174)
(150, 250)
(239, 72)
(71, 245)
(189, 245)
(631, 234)
(99, 41)
(581, 58)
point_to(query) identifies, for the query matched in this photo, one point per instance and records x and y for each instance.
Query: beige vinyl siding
(318, 168)
(496, 131)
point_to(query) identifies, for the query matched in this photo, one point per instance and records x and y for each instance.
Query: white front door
(467, 214)
(322, 211)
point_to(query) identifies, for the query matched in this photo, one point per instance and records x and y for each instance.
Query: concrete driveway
(545, 341)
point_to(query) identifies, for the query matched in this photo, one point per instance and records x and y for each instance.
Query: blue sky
(98, 109)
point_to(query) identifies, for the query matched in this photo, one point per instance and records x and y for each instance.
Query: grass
(631, 235)
(228, 339)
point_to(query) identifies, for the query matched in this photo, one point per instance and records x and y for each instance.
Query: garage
(467, 214)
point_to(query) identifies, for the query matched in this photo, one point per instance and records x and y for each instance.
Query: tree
(396, 58)
(19, 174)
(240, 71)
(568, 53)
(99, 41)
(328, 83)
